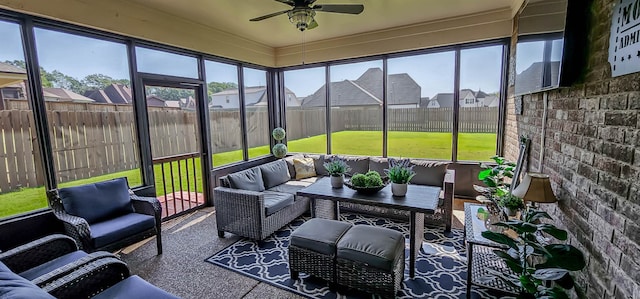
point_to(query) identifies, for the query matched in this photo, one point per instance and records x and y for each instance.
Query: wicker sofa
(264, 200)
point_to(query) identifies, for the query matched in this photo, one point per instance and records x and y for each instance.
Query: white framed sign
(624, 43)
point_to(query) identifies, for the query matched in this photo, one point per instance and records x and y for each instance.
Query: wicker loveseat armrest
(76, 227)
(70, 267)
(37, 252)
(224, 195)
(89, 280)
(146, 205)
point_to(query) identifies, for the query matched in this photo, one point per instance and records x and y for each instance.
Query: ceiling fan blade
(269, 16)
(312, 25)
(340, 8)
(289, 2)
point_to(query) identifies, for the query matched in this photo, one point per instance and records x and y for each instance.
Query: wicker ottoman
(312, 248)
(371, 259)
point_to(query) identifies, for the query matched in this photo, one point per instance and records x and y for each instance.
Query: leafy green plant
(512, 202)
(540, 270)
(371, 179)
(494, 176)
(400, 171)
(336, 166)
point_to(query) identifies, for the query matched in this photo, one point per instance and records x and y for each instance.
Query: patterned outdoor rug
(440, 273)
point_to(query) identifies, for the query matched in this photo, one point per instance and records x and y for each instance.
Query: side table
(480, 256)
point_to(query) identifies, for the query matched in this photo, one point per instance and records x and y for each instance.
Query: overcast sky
(78, 57)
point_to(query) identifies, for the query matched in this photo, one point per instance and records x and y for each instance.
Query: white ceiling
(233, 16)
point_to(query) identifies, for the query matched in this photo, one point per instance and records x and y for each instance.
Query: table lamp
(535, 187)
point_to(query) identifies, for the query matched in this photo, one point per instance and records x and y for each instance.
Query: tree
(100, 81)
(169, 94)
(215, 87)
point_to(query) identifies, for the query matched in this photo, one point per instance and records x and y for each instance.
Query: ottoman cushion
(377, 246)
(320, 235)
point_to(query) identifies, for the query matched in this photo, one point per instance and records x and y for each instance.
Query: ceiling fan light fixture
(301, 17)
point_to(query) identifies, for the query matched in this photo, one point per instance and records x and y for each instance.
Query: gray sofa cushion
(250, 179)
(276, 201)
(292, 187)
(318, 161)
(319, 235)
(97, 201)
(377, 246)
(379, 164)
(289, 160)
(357, 164)
(275, 173)
(429, 172)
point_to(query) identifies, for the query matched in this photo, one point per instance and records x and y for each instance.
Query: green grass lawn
(472, 147)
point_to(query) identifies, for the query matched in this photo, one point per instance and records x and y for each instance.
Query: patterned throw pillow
(304, 168)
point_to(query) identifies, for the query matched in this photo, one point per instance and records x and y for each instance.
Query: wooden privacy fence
(101, 140)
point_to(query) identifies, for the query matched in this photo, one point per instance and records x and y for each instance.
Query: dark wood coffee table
(419, 200)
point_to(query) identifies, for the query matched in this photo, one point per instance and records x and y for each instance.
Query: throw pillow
(429, 172)
(98, 201)
(275, 173)
(250, 179)
(305, 168)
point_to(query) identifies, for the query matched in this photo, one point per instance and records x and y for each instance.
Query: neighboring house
(12, 85)
(441, 100)
(188, 103)
(403, 91)
(468, 98)
(253, 96)
(55, 94)
(112, 94)
(530, 80)
(10, 74)
(157, 101)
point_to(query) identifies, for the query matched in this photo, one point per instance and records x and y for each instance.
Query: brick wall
(593, 157)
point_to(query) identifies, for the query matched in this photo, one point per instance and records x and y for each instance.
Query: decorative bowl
(365, 190)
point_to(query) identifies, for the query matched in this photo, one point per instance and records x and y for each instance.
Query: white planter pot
(398, 189)
(337, 181)
(510, 212)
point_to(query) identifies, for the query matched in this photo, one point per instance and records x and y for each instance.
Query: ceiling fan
(303, 12)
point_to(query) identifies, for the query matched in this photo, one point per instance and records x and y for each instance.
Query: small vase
(510, 212)
(398, 189)
(337, 181)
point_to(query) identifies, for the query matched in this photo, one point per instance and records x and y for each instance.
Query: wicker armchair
(104, 278)
(84, 230)
(243, 213)
(48, 258)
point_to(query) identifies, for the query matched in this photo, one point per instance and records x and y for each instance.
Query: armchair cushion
(134, 287)
(97, 201)
(275, 173)
(250, 179)
(429, 172)
(276, 201)
(112, 230)
(16, 287)
(51, 265)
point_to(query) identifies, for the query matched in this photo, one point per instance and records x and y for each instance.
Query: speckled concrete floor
(182, 270)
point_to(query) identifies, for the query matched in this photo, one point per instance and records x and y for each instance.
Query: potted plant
(336, 167)
(511, 204)
(495, 185)
(540, 270)
(400, 173)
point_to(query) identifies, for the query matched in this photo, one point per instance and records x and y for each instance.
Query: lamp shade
(535, 187)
